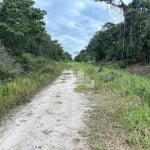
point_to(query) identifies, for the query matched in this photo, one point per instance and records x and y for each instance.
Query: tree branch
(119, 6)
(122, 5)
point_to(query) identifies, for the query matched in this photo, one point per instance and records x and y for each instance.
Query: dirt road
(51, 121)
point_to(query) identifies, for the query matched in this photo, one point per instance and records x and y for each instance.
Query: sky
(74, 22)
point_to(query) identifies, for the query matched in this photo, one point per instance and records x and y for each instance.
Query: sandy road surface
(51, 121)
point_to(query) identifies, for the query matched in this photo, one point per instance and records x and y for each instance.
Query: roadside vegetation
(125, 43)
(21, 81)
(120, 114)
(120, 107)
(29, 58)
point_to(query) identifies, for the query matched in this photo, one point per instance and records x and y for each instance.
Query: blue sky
(74, 22)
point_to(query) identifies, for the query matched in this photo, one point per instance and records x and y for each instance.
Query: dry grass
(140, 70)
(104, 130)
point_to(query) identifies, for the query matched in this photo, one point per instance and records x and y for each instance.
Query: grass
(120, 117)
(21, 89)
(137, 126)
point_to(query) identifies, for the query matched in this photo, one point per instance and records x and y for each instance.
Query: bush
(48, 69)
(28, 62)
(8, 69)
(31, 63)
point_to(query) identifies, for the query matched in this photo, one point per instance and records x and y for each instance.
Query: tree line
(128, 41)
(22, 30)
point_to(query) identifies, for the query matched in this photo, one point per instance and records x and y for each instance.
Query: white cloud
(73, 23)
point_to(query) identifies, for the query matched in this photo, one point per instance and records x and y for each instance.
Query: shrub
(8, 69)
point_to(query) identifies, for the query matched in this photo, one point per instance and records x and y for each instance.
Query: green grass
(21, 89)
(124, 82)
(137, 125)
(133, 103)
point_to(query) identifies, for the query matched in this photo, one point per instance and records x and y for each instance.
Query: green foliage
(67, 56)
(128, 42)
(84, 56)
(137, 122)
(18, 90)
(37, 64)
(135, 118)
(5, 72)
(31, 63)
(22, 30)
(8, 69)
(45, 46)
(29, 55)
(20, 23)
(48, 69)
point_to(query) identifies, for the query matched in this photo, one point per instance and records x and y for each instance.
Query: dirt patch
(140, 70)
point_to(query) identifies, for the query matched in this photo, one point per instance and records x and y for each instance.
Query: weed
(126, 117)
(19, 90)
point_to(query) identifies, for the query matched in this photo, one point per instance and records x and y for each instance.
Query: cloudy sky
(74, 22)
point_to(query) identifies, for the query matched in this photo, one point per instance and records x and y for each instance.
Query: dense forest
(127, 42)
(22, 31)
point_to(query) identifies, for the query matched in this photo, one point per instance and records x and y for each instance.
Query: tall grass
(20, 89)
(125, 83)
(135, 120)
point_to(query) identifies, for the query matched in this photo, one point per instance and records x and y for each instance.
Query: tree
(20, 23)
(131, 44)
(45, 46)
(115, 3)
(135, 29)
(84, 56)
(118, 4)
(67, 56)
